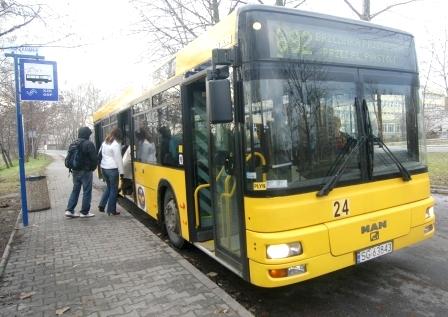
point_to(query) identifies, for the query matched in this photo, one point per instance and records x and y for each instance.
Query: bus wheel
(172, 220)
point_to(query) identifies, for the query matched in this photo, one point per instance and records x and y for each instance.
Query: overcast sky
(111, 58)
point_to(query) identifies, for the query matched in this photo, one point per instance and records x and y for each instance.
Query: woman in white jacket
(112, 168)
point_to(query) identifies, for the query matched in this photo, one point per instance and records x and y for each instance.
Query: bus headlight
(429, 212)
(284, 250)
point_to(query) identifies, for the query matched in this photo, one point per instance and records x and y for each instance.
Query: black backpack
(73, 160)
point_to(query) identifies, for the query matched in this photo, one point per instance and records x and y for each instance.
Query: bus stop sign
(38, 80)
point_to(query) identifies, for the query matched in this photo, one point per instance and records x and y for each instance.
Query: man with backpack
(81, 160)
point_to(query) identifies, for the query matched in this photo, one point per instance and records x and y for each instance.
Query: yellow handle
(196, 201)
(263, 162)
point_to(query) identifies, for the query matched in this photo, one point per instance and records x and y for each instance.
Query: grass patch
(9, 177)
(438, 168)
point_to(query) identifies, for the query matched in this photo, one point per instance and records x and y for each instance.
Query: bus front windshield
(301, 123)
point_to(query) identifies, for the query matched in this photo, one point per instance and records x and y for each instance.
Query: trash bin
(38, 198)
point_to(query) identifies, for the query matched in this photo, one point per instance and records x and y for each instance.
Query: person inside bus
(126, 181)
(340, 137)
(164, 145)
(112, 168)
(146, 147)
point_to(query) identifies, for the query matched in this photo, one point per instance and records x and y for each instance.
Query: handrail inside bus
(196, 202)
(263, 161)
(196, 197)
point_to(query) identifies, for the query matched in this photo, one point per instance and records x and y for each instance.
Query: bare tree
(172, 24)
(15, 15)
(366, 14)
(435, 86)
(73, 111)
(439, 63)
(286, 3)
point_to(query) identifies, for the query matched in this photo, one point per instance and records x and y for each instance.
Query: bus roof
(197, 52)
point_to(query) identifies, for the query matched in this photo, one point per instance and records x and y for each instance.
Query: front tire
(172, 220)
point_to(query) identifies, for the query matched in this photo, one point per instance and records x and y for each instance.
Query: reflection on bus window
(158, 131)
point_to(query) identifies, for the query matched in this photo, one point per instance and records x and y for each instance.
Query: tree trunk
(366, 11)
(215, 10)
(4, 156)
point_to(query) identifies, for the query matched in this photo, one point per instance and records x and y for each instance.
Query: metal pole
(20, 145)
(20, 142)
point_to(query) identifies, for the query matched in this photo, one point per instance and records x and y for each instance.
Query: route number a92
(341, 208)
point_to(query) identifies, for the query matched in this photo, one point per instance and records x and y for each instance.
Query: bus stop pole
(20, 142)
(21, 146)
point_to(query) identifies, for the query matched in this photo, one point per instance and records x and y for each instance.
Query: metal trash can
(38, 198)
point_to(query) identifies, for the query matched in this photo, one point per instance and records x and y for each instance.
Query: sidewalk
(101, 266)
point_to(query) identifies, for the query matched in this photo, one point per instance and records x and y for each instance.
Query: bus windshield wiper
(404, 172)
(331, 183)
(372, 139)
(351, 142)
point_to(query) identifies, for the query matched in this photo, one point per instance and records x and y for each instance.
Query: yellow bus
(282, 143)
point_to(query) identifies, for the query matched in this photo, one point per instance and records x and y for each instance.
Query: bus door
(197, 165)
(124, 124)
(215, 193)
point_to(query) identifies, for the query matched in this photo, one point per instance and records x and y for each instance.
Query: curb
(232, 303)
(440, 190)
(7, 250)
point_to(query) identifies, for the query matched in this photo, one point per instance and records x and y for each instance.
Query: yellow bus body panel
(390, 210)
(149, 176)
(304, 210)
(325, 263)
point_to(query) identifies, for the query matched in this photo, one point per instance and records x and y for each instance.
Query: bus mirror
(219, 102)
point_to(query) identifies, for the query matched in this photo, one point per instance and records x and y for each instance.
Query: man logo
(374, 235)
(374, 226)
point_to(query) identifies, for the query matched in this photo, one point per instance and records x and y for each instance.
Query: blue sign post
(45, 91)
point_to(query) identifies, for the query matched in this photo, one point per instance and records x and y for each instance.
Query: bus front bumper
(260, 273)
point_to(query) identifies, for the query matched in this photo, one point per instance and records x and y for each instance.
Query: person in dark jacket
(83, 177)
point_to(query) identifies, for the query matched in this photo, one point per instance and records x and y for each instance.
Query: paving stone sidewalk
(101, 266)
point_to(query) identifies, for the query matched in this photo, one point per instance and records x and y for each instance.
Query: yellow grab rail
(196, 201)
(263, 162)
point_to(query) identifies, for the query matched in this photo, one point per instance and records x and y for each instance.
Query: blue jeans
(84, 179)
(110, 194)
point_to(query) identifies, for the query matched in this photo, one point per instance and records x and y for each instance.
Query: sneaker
(71, 214)
(100, 209)
(87, 216)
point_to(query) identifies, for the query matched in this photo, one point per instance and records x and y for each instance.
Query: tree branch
(18, 26)
(390, 7)
(300, 3)
(353, 8)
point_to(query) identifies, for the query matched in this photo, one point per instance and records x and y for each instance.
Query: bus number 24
(341, 208)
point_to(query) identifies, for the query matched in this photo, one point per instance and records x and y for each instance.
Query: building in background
(435, 109)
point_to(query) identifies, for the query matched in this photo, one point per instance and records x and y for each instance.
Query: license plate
(373, 252)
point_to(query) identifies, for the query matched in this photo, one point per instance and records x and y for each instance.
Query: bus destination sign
(350, 44)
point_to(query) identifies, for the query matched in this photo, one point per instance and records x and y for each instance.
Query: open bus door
(214, 194)
(124, 122)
